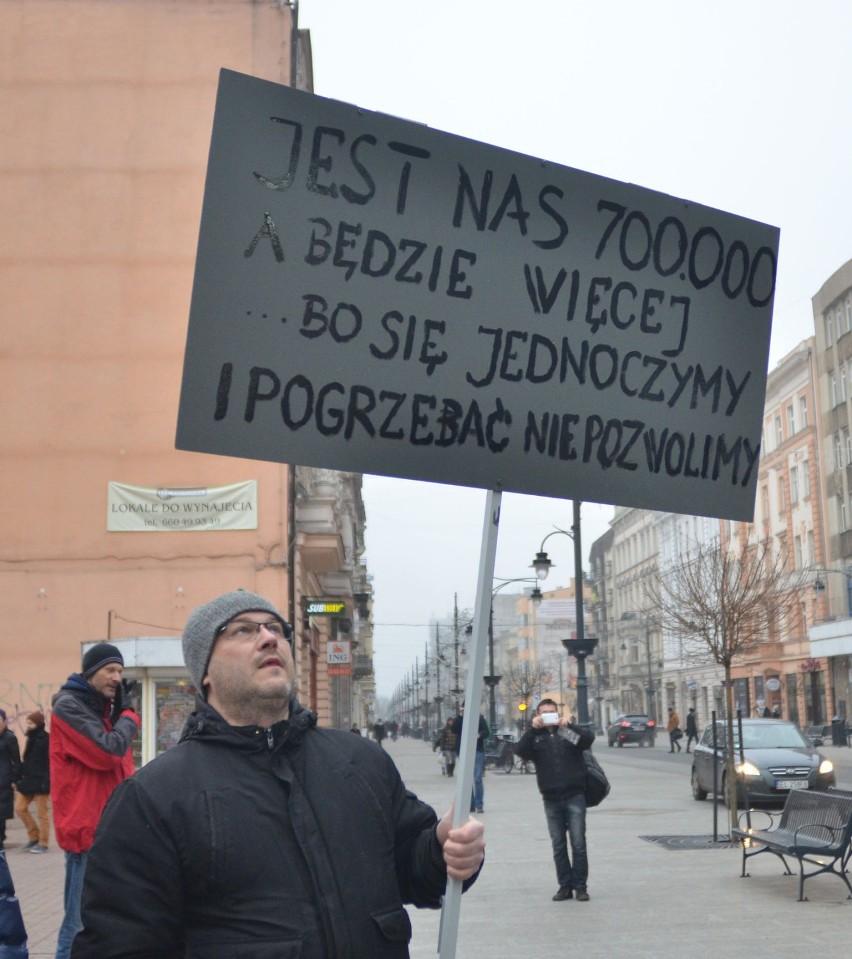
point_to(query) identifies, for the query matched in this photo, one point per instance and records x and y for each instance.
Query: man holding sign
(259, 832)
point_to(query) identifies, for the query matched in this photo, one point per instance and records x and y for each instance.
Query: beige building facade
(108, 107)
(831, 640)
(790, 517)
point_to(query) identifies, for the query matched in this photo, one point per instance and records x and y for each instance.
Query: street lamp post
(651, 690)
(439, 722)
(491, 680)
(450, 664)
(456, 690)
(580, 649)
(426, 704)
(581, 646)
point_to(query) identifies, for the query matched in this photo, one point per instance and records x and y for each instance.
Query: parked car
(776, 757)
(632, 728)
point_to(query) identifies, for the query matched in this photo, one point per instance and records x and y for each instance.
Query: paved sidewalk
(646, 899)
(39, 885)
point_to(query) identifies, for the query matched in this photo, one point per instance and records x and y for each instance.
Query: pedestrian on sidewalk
(446, 741)
(10, 765)
(380, 732)
(556, 747)
(260, 833)
(91, 729)
(34, 784)
(675, 732)
(477, 796)
(691, 727)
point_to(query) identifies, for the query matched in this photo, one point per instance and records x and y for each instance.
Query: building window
(781, 498)
(803, 411)
(829, 328)
(838, 452)
(847, 444)
(806, 480)
(794, 484)
(833, 390)
(843, 383)
(791, 681)
(841, 513)
(779, 434)
(838, 319)
(809, 559)
(848, 313)
(797, 543)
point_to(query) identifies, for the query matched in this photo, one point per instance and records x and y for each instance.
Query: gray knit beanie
(203, 625)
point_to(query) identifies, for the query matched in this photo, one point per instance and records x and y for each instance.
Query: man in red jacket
(92, 728)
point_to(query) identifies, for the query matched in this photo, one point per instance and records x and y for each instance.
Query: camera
(550, 719)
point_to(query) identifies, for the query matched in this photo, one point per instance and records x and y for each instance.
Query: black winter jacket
(244, 843)
(10, 764)
(560, 769)
(35, 768)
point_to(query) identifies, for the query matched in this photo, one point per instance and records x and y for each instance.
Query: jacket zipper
(270, 742)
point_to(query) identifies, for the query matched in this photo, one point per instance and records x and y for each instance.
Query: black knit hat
(101, 654)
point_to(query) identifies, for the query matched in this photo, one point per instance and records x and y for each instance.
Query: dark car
(776, 758)
(632, 728)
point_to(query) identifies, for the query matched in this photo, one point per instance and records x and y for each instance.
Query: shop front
(832, 642)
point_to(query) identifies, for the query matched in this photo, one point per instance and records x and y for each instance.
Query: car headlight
(826, 766)
(747, 768)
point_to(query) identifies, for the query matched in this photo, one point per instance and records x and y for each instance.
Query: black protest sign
(375, 296)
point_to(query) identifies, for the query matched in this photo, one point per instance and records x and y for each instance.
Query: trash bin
(838, 732)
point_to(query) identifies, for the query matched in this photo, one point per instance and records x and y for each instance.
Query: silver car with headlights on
(776, 757)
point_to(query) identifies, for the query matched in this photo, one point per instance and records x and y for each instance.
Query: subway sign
(325, 607)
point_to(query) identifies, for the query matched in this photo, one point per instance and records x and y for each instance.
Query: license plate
(791, 784)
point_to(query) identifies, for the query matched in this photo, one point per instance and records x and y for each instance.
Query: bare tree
(722, 602)
(523, 679)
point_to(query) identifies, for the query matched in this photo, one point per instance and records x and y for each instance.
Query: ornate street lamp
(580, 648)
(491, 680)
(542, 565)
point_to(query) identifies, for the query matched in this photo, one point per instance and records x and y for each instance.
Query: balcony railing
(362, 667)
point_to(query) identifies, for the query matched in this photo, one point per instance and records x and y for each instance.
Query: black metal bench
(814, 827)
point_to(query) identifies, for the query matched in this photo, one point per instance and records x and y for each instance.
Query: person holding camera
(556, 747)
(92, 727)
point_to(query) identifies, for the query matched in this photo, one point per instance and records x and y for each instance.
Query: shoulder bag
(597, 785)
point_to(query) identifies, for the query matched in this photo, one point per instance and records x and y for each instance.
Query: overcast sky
(742, 105)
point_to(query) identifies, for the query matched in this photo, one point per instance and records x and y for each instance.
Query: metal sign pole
(473, 690)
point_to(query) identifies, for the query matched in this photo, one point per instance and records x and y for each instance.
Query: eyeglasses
(248, 629)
